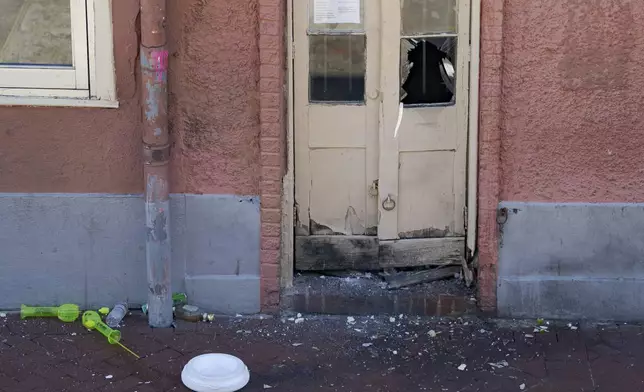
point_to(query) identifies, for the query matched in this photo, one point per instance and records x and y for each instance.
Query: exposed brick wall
(490, 130)
(272, 142)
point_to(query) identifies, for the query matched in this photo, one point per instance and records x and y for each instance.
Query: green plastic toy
(92, 320)
(66, 312)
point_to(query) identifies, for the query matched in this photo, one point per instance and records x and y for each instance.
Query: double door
(380, 115)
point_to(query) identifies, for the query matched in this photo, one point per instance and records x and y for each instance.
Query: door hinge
(465, 217)
(293, 48)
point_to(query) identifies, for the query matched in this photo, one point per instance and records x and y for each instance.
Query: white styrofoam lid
(215, 373)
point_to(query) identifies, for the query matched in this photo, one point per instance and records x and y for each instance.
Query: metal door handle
(388, 204)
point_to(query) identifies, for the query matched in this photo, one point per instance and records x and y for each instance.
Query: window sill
(58, 102)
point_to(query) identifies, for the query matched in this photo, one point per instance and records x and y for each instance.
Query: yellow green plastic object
(104, 311)
(66, 312)
(92, 320)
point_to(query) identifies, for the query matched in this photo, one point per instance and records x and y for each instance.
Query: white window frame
(91, 80)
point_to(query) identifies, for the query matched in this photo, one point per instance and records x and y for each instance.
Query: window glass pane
(428, 70)
(341, 11)
(337, 67)
(428, 16)
(35, 32)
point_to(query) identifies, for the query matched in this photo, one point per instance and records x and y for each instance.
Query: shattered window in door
(427, 70)
(428, 52)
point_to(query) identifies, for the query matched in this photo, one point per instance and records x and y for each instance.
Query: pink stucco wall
(573, 90)
(214, 100)
(214, 113)
(560, 109)
(226, 118)
(55, 150)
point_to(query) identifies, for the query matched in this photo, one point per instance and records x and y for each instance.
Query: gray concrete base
(89, 249)
(572, 261)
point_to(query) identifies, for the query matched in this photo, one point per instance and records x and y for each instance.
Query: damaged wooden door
(380, 110)
(336, 110)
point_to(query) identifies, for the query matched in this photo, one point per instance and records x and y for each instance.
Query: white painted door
(364, 164)
(336, 106)
(423, 132)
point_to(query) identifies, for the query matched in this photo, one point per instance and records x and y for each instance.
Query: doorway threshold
(364, 294)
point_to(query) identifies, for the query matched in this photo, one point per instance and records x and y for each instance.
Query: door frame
(287, 254)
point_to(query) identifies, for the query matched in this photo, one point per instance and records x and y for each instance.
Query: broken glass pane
(421, 17)
(428, 70)
(337, 68)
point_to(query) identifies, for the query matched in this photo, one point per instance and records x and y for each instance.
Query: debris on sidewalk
(402, 355)
(67, 312)
(92, 320)
(406, 279)
(177, 300)
(188, 313)
(542, 326)
(116, 315)
(499, 365)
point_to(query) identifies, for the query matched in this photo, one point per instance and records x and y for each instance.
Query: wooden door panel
(428, 130)
(338, 193)
(336, 103)
(337, 126)
(426, 195)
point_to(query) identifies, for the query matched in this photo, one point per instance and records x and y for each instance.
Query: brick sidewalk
(328, 354)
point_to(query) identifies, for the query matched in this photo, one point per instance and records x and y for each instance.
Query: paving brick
(548, 362)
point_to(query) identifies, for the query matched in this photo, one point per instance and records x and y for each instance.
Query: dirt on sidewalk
(329, 354)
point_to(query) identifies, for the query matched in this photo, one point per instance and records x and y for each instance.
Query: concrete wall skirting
(89, 249)
(572, 261)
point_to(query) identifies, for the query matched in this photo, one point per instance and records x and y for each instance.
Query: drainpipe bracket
(156, 155)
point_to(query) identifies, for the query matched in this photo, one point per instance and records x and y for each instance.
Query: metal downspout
(156, 153)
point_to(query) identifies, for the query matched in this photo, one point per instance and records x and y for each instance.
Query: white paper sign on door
(336, 11)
